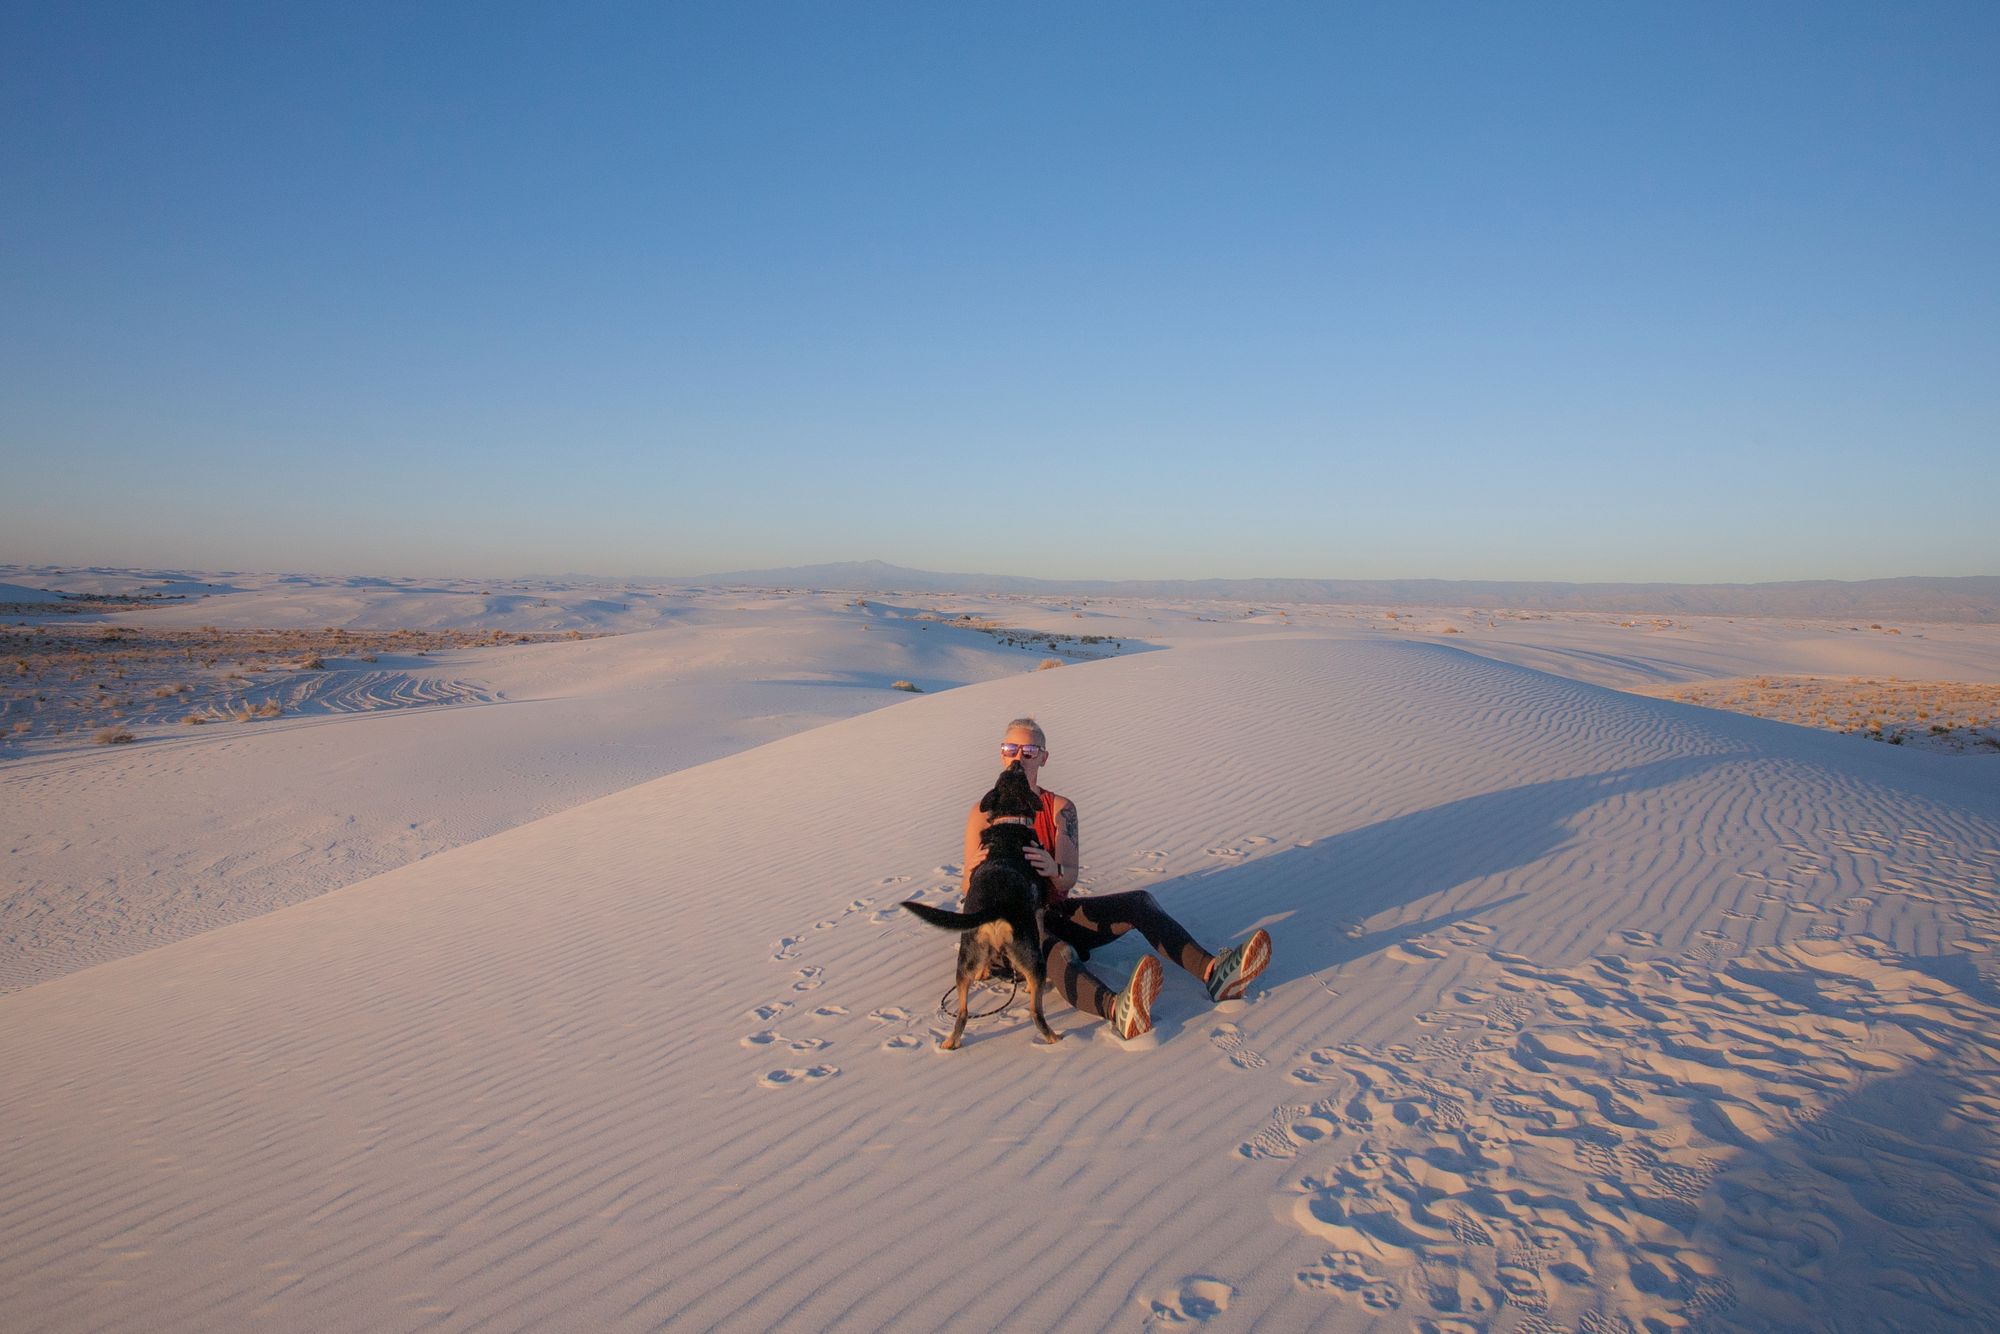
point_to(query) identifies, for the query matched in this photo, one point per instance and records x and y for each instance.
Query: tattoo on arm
(1076, 849)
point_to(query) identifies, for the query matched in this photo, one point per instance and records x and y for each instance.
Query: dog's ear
(986, 802)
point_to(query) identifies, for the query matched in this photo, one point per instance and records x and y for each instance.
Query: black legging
(1085, 924)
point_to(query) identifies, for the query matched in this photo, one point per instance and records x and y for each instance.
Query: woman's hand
(1039, 858)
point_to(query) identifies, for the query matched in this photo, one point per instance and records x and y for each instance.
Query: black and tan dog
(1002, 918)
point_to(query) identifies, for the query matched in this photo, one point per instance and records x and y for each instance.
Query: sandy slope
(112, 850)
(1585, 1007)
(1638, 652)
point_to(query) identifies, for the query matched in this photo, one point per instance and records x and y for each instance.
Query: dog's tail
(954, 921)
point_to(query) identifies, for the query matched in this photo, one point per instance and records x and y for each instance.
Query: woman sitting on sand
(1076, 926)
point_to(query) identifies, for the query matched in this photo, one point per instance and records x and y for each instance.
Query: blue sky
(1686, 292)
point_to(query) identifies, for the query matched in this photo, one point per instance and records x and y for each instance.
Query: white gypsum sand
(117, 849)
(1585, 1008)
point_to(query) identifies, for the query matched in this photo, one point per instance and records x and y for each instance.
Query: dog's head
(1011, 795)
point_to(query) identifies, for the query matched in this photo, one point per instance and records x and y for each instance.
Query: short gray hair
(1031, 725)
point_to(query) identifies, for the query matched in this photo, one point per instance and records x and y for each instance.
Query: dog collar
(1010, 819)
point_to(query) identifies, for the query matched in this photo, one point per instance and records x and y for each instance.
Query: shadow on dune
(1877, 1212)
(1312, 897)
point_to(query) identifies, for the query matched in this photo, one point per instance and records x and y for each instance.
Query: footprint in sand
(1289, 1130)
(1347, 1272)
(1640, 938)
(1325, 1066)
(829, 1012)
(771, 1037)
(825, 924)
(1412, 951)
(890, 1014)
(903, 1042)
(810, 979)
(778, 1079)
(1228, 1039)
(787, 947)
(1192, 1301)
(769, 1012)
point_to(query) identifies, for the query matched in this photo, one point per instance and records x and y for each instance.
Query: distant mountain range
(1967, 598)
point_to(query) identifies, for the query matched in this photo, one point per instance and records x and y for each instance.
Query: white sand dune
(1585, 1008)
(1630, 652)
(113, 850)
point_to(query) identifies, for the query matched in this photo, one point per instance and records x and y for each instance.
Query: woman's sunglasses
(1030, 751)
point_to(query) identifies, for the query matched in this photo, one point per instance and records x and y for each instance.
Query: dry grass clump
(312, 662)
(1948, 715)
(910, 686)
(113, 736)
(1047, 663)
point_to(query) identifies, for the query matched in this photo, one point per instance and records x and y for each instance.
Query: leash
(944, 1002)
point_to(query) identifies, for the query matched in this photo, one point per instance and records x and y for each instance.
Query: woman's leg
(1109, 916)
(1077, 984)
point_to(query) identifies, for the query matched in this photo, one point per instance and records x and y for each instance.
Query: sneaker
(1237, 967)
(1132, 1012)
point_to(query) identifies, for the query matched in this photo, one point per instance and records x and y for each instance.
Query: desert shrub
(113, 736)
(1047, 663)
(196, 720)
(270, 708)
(910, 686)
(312, 662)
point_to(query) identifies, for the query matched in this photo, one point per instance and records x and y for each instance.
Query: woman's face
(1031, 763)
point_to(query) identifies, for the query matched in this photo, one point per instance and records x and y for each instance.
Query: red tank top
(1045, 832)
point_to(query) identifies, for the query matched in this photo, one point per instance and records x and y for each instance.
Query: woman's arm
(1069, 853)
(1061, 869)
